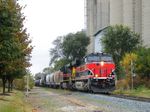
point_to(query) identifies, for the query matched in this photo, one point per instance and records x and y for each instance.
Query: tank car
(48, 80)
(51, 80)
(58, 78)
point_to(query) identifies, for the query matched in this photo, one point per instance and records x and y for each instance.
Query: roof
(99, 31)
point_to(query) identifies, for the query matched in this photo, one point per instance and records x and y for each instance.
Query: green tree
(60, 63)
(47, 70)
(56, 52)
(14, 42)
(119, 40)
(75, 45)
(38, 76)
(126, 64)
(68, 48)
(143, 62)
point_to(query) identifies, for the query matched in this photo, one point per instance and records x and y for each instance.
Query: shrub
(122, 84)
(126, 64)
(20, 83)
(143, 62)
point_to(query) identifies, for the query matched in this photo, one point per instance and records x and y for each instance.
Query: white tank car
(51, 80)
(40, 82)
(48, 80)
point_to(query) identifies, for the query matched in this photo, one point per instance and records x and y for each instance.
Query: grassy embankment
(14, 102)
(139, 92)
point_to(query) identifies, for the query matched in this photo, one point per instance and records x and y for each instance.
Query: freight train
(95, 73)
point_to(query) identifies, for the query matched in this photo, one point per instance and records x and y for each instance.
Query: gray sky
(48, 19)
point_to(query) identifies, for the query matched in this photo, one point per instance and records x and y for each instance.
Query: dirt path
(50, 100)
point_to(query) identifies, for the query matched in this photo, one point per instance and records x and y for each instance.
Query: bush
(126, 64)
(138, 81)
(122, 85)
(143, 62)
(31, 82)
(20, 84)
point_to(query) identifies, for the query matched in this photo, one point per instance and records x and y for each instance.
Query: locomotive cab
(101, 63)
(97, 73)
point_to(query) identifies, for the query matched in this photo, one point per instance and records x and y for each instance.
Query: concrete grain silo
(116, 12)
(128, 13)
(90, 22)
(97, 14)
(132, 13)
(137, 16)
(146, 22)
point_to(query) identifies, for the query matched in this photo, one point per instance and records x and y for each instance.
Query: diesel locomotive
(95, 73)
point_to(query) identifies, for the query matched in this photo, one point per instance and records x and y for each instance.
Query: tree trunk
(4, 79)
(10, 80)
(11, 85)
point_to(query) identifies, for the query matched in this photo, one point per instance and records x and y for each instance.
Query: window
(96, 58)
(106, 58)
(93, 58)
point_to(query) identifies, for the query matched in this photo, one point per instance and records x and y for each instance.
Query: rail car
(96, 73)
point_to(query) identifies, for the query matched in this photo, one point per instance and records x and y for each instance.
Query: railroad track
(131, 97)
(143, 99)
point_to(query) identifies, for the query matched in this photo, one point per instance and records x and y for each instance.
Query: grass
(139, 92)
(14, 102)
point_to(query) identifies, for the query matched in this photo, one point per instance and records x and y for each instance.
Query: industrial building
(102, 13)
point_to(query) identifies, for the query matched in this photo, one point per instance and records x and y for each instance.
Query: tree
(60, 63)
(119, 40)
(68, 48)
(56, 52)
(126, 64)
(143, 62)
(75, 45)
(141, 66)
(14, 42)
(38, 76)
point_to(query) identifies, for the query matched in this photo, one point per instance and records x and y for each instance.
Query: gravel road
(55, 100)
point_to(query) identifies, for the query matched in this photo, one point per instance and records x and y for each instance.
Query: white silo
(128, 13)
(116, 12)
(146, 22)
(138, 16)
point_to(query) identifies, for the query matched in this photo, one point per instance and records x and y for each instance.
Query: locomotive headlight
(96, 75)
(110, 75)
(102, 63)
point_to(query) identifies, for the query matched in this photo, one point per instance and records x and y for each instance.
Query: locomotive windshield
(106, 58)
(98, 58)
(93, 58)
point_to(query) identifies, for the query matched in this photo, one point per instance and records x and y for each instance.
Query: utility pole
(132, 74)
(27, 79)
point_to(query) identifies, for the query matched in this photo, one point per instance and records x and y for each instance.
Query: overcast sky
(48, 19)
